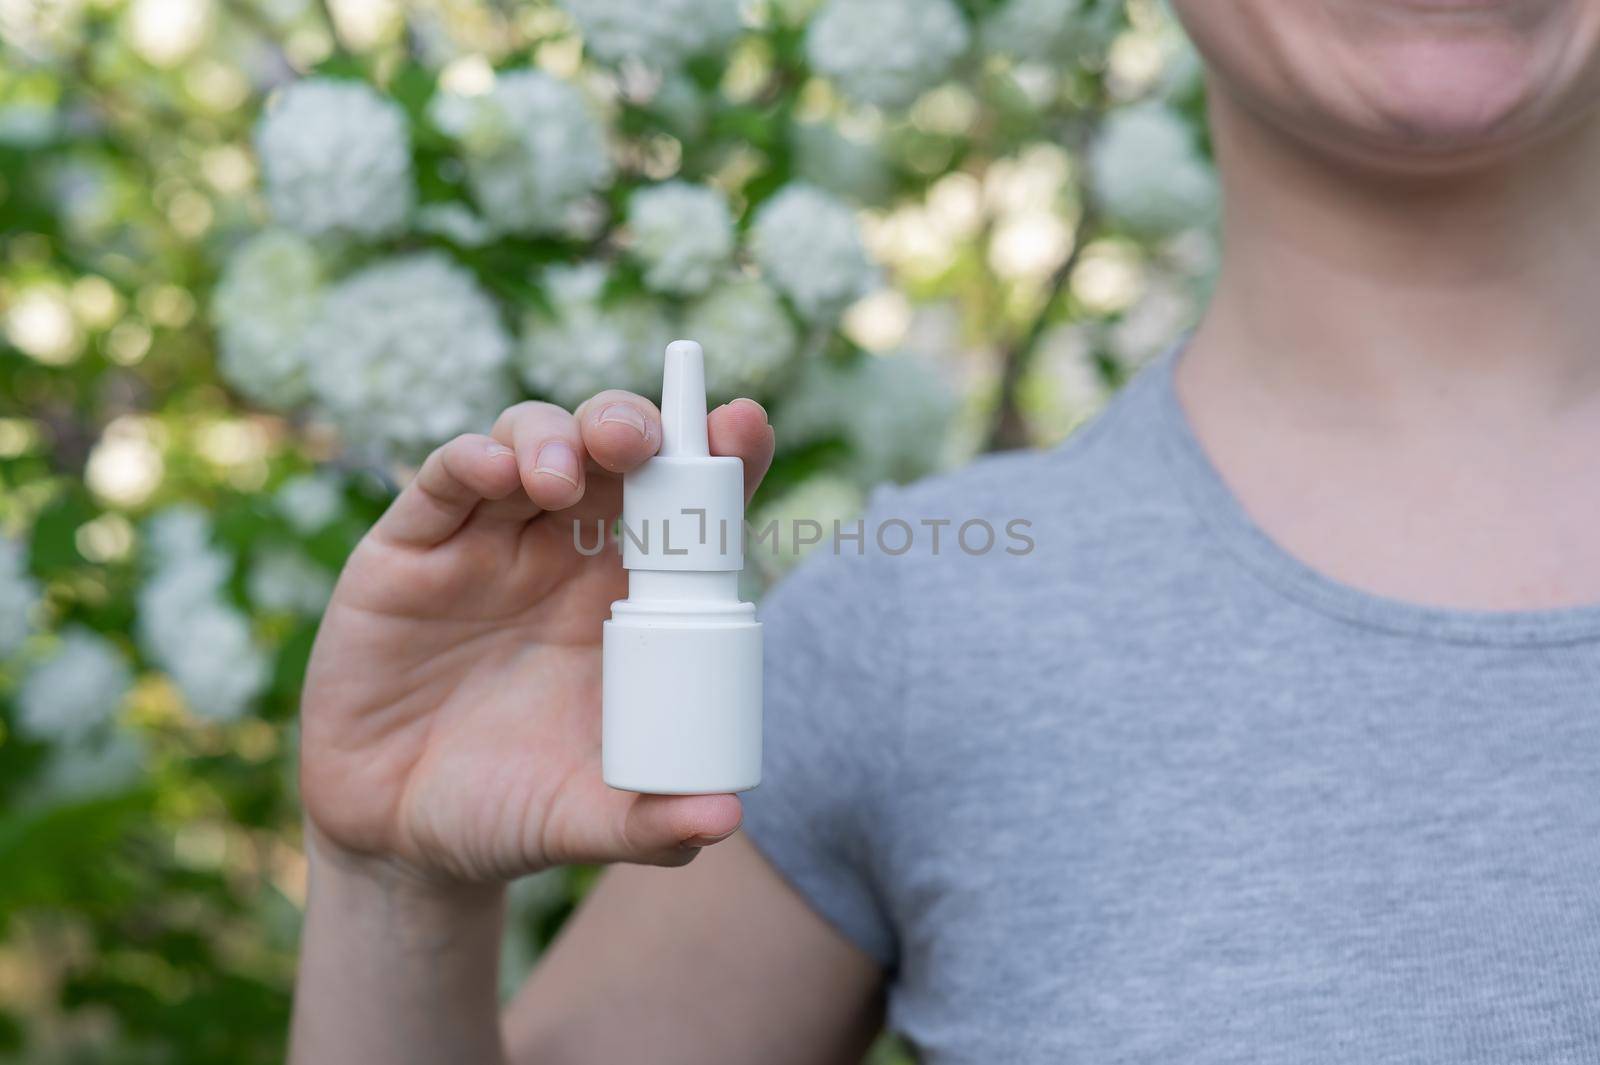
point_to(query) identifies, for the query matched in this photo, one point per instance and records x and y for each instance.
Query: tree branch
(325, 9)
(1009, 430)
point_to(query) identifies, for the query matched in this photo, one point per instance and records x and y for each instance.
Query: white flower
(189, 629)
(1048, 31)
(287, 582)
(682, 107)
(85, 196)
(1147, 172)
(268, 295)
(456, 223)
(893, 411)
(745, 333)
(1185, 72)
(27, 124)
(533, 149)
(19, 596)
(584, 345)
(41, 33)
(1154, 323)
(1069, 388)
(886, 52)
(102, 764)
(176, 534)
(661, 33)
(311, 501)
(804, 520)
(336, 160)
(179, 585)
(682, 233)
(219, 667)
(202, 642)
(408, 353)
(809, 247)
(79, 687)
(828, 158)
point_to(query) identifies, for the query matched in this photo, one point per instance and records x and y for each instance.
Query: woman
(1282, 744)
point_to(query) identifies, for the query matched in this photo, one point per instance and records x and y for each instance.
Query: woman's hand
(452, 705)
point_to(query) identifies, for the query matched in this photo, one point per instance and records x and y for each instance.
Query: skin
(1405, 307)
(1405, 311)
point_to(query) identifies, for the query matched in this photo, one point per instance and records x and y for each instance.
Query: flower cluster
(19, 596)
(267, 297)
(310, 502)
(891, 410)
(407, 353)
(662, 33)
(1148, 172)
(683, 234)
(284, 581)
(188, 626)
(808, 244)
(75, 690)
(1048, 31)
(336, 160)
(745, 333)
(805, 518)
(887, 52)
(533, 149)
(583, 344)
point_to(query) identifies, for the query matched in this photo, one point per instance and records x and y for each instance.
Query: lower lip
(1460, 5)
(1492, 10)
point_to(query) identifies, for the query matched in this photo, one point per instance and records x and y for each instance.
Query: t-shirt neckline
(1226, 516)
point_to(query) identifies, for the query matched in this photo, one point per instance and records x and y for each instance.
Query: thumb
(671, 829)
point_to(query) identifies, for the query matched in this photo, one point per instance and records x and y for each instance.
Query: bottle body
(682, 702)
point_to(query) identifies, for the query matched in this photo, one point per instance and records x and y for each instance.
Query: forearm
(394, 971)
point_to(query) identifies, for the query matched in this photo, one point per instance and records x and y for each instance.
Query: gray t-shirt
(1155, 791)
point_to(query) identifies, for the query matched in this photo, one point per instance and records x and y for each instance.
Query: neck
(1364, 294)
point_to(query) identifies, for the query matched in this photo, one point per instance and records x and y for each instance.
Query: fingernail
(706, 841)
(753, 403)
(497, 450)
(557, 459)
(624, 414)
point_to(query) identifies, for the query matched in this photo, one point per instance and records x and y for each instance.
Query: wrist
(336, 869)
(395, 967)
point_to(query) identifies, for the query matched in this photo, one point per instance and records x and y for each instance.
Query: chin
(1426, 96)
(1405, 84)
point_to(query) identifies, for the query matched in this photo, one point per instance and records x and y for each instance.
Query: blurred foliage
(151, 875)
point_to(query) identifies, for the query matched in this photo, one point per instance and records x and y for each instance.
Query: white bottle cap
(682, 655)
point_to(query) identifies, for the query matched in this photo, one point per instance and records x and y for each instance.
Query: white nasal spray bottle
(682, 672)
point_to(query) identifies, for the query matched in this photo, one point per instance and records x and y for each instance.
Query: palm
(452, 707)
(439, 735)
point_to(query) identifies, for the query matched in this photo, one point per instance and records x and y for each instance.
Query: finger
(452, 481)
(620, 429)
(740, 428)
(550, 454)
(671, 829)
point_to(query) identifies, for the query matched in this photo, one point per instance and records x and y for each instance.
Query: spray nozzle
(683, 402)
